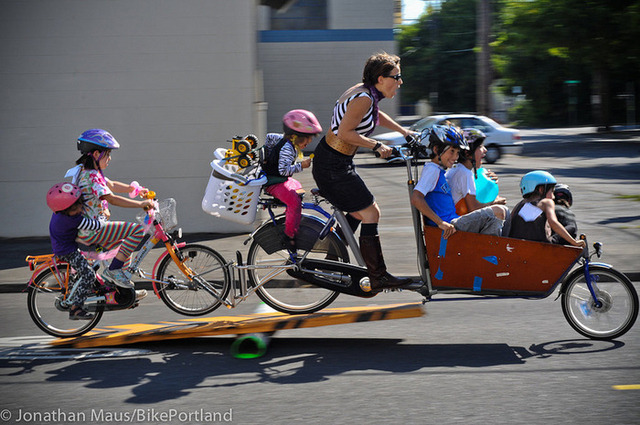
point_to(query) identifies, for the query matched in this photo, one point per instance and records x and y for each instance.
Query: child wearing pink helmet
(281, 154)
(65, 200)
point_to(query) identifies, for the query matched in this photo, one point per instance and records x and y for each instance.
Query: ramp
(236, 325)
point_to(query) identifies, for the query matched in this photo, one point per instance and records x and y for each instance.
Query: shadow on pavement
(188, 364)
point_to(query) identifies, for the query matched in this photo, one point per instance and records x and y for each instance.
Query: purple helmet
(96, 139)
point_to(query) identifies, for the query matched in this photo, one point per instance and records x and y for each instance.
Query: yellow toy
(242, 150)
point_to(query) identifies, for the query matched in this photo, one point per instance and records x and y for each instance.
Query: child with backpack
(281, 154)
(534, 218)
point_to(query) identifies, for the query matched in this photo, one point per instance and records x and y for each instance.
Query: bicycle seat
(268, 201)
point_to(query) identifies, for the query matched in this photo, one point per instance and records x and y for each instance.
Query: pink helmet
(302, 122)
(62, 195)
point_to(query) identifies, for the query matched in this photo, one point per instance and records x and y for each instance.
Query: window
(301, 15)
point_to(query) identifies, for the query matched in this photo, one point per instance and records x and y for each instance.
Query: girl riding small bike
(98, 193)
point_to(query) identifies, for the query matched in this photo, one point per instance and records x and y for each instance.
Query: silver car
(500, 140)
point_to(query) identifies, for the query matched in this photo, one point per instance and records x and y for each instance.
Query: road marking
(626, 387)
(39, 348)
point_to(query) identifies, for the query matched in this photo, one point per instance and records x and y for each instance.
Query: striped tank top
(367, 124)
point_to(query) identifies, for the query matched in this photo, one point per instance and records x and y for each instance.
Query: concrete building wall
(171, 80)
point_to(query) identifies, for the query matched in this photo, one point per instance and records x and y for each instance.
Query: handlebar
(394, 152)
(413, 148)
(597, 246)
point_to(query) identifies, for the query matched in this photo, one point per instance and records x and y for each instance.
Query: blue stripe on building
(306, 36)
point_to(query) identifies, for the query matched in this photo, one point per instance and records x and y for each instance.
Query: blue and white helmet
(446, 136)
(96, 139)
(533, 179)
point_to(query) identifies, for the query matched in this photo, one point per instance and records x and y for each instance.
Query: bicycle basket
(166, 214)
(231, 195)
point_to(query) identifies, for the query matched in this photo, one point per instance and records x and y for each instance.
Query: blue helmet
(533, 179)
(96, 139)
(447, 135)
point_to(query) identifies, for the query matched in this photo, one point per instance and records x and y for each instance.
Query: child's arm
(417, 200)
(119, 187)
(89, 224)
(473, 204)
(120, 201)
(548, 207)
(286, 167)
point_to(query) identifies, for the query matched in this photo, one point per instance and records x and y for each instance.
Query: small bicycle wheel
(45, 308)
(283, 292)
(619, 304)
(198, 296)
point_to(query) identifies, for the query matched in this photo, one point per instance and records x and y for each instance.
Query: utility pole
(483, 65)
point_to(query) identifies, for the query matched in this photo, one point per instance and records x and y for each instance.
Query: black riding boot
(378, 276)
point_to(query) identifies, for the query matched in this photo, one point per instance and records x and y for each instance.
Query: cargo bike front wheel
(608, 316)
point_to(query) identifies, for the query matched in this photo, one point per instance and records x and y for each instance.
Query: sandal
(79, 314)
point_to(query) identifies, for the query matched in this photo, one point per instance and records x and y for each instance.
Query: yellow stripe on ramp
(242, 324)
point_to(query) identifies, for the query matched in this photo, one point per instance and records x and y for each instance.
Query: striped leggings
(113, 233)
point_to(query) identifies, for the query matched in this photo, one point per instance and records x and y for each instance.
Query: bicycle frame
(238, 270)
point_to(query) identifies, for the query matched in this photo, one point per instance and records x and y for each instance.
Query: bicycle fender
(270, 235)
(580, 271)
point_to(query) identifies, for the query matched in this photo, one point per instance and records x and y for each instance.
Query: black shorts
(336, 177)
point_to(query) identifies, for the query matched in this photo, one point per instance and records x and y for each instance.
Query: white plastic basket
(230, 194)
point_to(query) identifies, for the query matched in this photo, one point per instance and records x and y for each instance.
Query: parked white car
(500, 140)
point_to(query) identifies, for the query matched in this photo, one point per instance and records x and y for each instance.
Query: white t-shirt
(461, 181)
(428, 178)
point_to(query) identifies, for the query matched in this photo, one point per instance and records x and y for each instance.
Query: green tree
(545, 43)
(438, 59)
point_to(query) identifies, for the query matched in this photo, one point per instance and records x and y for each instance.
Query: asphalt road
(482, 361)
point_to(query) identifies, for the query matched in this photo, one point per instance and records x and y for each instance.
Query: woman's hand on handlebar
(411, 136)
(384, 151)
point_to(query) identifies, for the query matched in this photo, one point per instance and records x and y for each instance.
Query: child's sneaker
(140, 294)
(80, 314)
(119, 277)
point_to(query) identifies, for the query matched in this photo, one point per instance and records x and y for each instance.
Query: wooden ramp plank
(236, 325)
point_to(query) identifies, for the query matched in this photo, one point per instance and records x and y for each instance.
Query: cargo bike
(598, 301)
